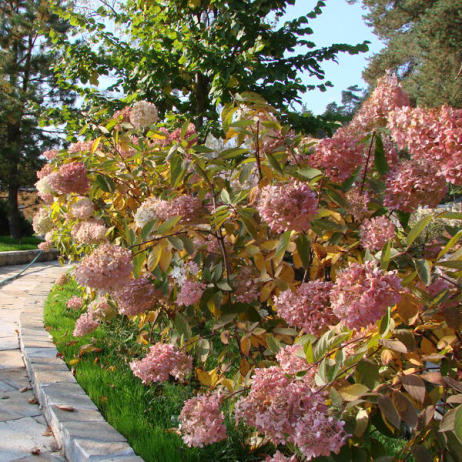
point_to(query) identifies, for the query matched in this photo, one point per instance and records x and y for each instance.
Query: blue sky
(340, 22)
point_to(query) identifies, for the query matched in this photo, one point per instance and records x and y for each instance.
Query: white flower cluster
(42, 222)
(143, 114)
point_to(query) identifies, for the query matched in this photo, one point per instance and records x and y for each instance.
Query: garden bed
(146, 416)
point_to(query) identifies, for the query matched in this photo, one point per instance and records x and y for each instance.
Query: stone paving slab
(79, 430)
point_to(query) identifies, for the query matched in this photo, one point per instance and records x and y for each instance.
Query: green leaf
(249, 222)
(273, 343)
(417, 229)
(176, 242)
(224, 195)
(380, 161)
(384, 323)
(455, 264)
(424, 268)
(308, 348)
(274, 163)
(182, 326)
(309, 173)
(168, 224)
(138, 261)
(385, 256)
(451, 243)
(367, 373)
(282, 244)
(233, 152)
(105, 183)
(303, 247)
(147, 228)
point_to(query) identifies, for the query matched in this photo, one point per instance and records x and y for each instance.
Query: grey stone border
(18, 257)
(76, 422)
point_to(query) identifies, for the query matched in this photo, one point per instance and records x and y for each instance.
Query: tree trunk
(14, 221)
(202, 95)
(13, 157)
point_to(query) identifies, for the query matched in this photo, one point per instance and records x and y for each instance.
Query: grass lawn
(146, 416)
(26, 243)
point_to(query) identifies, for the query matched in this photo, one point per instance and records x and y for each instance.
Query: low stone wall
(18, 257)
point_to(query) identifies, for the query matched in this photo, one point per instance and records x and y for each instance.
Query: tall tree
(27, 90)
(188, 56)
(423, 45)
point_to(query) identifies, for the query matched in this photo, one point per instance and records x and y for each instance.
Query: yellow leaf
(207, 378)
(266, 291)
(154, 257)
(165, 260)
(245, 345)
(228, 383)
(353, 392)
(73, 362)
(142, 337)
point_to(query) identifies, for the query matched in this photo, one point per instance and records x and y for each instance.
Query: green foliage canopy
(189, 56)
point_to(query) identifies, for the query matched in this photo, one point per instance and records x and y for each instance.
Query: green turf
(26, 243)
(146, 416)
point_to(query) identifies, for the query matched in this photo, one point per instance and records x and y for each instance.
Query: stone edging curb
(18, 257)
(77, 425)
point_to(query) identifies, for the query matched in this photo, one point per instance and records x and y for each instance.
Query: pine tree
(27, 90)
(423, 46)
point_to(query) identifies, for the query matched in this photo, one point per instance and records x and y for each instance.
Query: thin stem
(218, 235)
(257, 151)
(367, 163)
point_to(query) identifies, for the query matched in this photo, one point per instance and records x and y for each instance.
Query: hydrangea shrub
(332, 319)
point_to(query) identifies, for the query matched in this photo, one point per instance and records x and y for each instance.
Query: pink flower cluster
(386, 97)
(376, 232)
(84, 325)
(100, 308)
(279, 457)
(357, 203)
(432, 135)
(362, 293)
(186, 206)
(62, 279)
(91, 231)
(175, 136)
(80, 146)
(246, 286)
(108, 268)
(51, 154)
(338, 156)
(45, 246)
(307, 308)
(290, 411)
(291, 359)
(83, 208)
(44, 171)
(201, 421)
(71, 177)
(143, 114)
(75, 303)
(190, 292)
(289, 206)
(136, 296)
(162, 361)
(414, 183)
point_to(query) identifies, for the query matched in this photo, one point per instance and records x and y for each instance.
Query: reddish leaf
(389, 411)
(415, 386)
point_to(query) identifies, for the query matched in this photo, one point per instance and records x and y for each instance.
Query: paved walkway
(24, 434)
